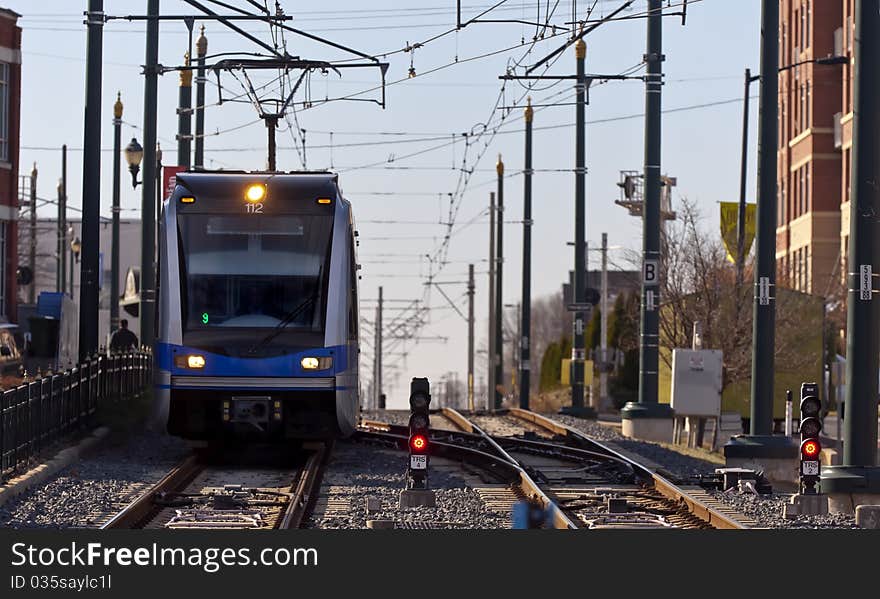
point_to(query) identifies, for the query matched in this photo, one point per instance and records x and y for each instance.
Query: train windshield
(245, 276)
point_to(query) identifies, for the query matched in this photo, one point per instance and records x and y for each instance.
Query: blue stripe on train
(218, 365)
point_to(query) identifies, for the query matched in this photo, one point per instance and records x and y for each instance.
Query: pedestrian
(123, 339)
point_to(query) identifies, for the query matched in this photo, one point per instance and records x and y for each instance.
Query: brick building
(10, 105)
(810, 164)
(844, 120)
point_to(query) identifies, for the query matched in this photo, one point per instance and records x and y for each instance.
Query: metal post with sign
(649, 419)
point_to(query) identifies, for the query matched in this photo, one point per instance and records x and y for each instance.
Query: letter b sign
(651, 272)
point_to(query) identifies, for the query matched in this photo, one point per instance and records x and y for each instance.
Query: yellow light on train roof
(256, 192)
(187, 200)
(324, 200)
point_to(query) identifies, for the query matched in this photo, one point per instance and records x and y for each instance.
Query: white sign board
(764, 291)
(865, 282)
(696, 382)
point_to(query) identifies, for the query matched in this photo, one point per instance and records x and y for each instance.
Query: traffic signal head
(810, 410)
(810, 404)
(419, 395)
(418, 443)
(810, 449)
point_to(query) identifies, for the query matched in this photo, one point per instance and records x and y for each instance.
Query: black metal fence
(36, 414)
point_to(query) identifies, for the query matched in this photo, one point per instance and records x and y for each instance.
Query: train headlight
(311, 363)
(256, 192)
(195, 361)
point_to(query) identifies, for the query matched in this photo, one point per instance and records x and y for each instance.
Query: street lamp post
(114, 276)
(743, 173)
(134, 153)
(760, 444)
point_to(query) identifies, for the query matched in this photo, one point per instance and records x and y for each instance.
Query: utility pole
(184, 116)
(526, 323)
(91, 196)
(499, 289)
(578, 353)
(470, 365)
(201, 52)
(32, 258)
(603, 341)
(490, 389)
(114, 259)
(62, 223)
(648, 419)
(148, 187)
(859, 472)
(380, 400)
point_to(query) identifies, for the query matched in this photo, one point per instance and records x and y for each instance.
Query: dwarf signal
(419, 428)
(811, 447)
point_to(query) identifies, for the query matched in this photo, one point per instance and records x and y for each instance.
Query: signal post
(417, 492)
(808, 499)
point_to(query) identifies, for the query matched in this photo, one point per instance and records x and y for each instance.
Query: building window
(808, 108)
(4, 111)
(807, 197)
(803, 172)
(807, 11)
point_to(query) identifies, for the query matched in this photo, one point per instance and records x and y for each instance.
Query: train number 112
(254, 208)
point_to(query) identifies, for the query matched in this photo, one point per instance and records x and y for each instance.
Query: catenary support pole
(499, 289)
(32, 245)
(380, 396)
(470, 364)
(648, 418)
(578, 353)
(184, 117)
(764, 319)
(201, 52)
(603, 341)
(148, 187)
(490, 389)
(525, 324)
(91, 195)
(62, 224)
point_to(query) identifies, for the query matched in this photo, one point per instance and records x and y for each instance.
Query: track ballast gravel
(357, 472)
(89, 491)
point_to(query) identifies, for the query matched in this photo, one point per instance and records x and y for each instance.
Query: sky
(399, 165)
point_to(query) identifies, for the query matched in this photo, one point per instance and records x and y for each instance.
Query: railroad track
(204, 493)
(581, 482)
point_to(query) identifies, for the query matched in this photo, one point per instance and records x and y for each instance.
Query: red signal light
(418, 443)
(810, 449)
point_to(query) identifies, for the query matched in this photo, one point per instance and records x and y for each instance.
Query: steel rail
(139, 511)
(306, 486)
(663, 485)
(527, 484)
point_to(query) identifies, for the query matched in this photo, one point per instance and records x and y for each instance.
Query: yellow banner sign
(729, 221)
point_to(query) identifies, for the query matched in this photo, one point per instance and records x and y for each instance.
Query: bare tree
(700, 286)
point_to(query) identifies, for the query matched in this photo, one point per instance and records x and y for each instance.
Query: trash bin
(44, 336)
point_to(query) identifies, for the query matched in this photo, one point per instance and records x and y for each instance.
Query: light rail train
(258, 307)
